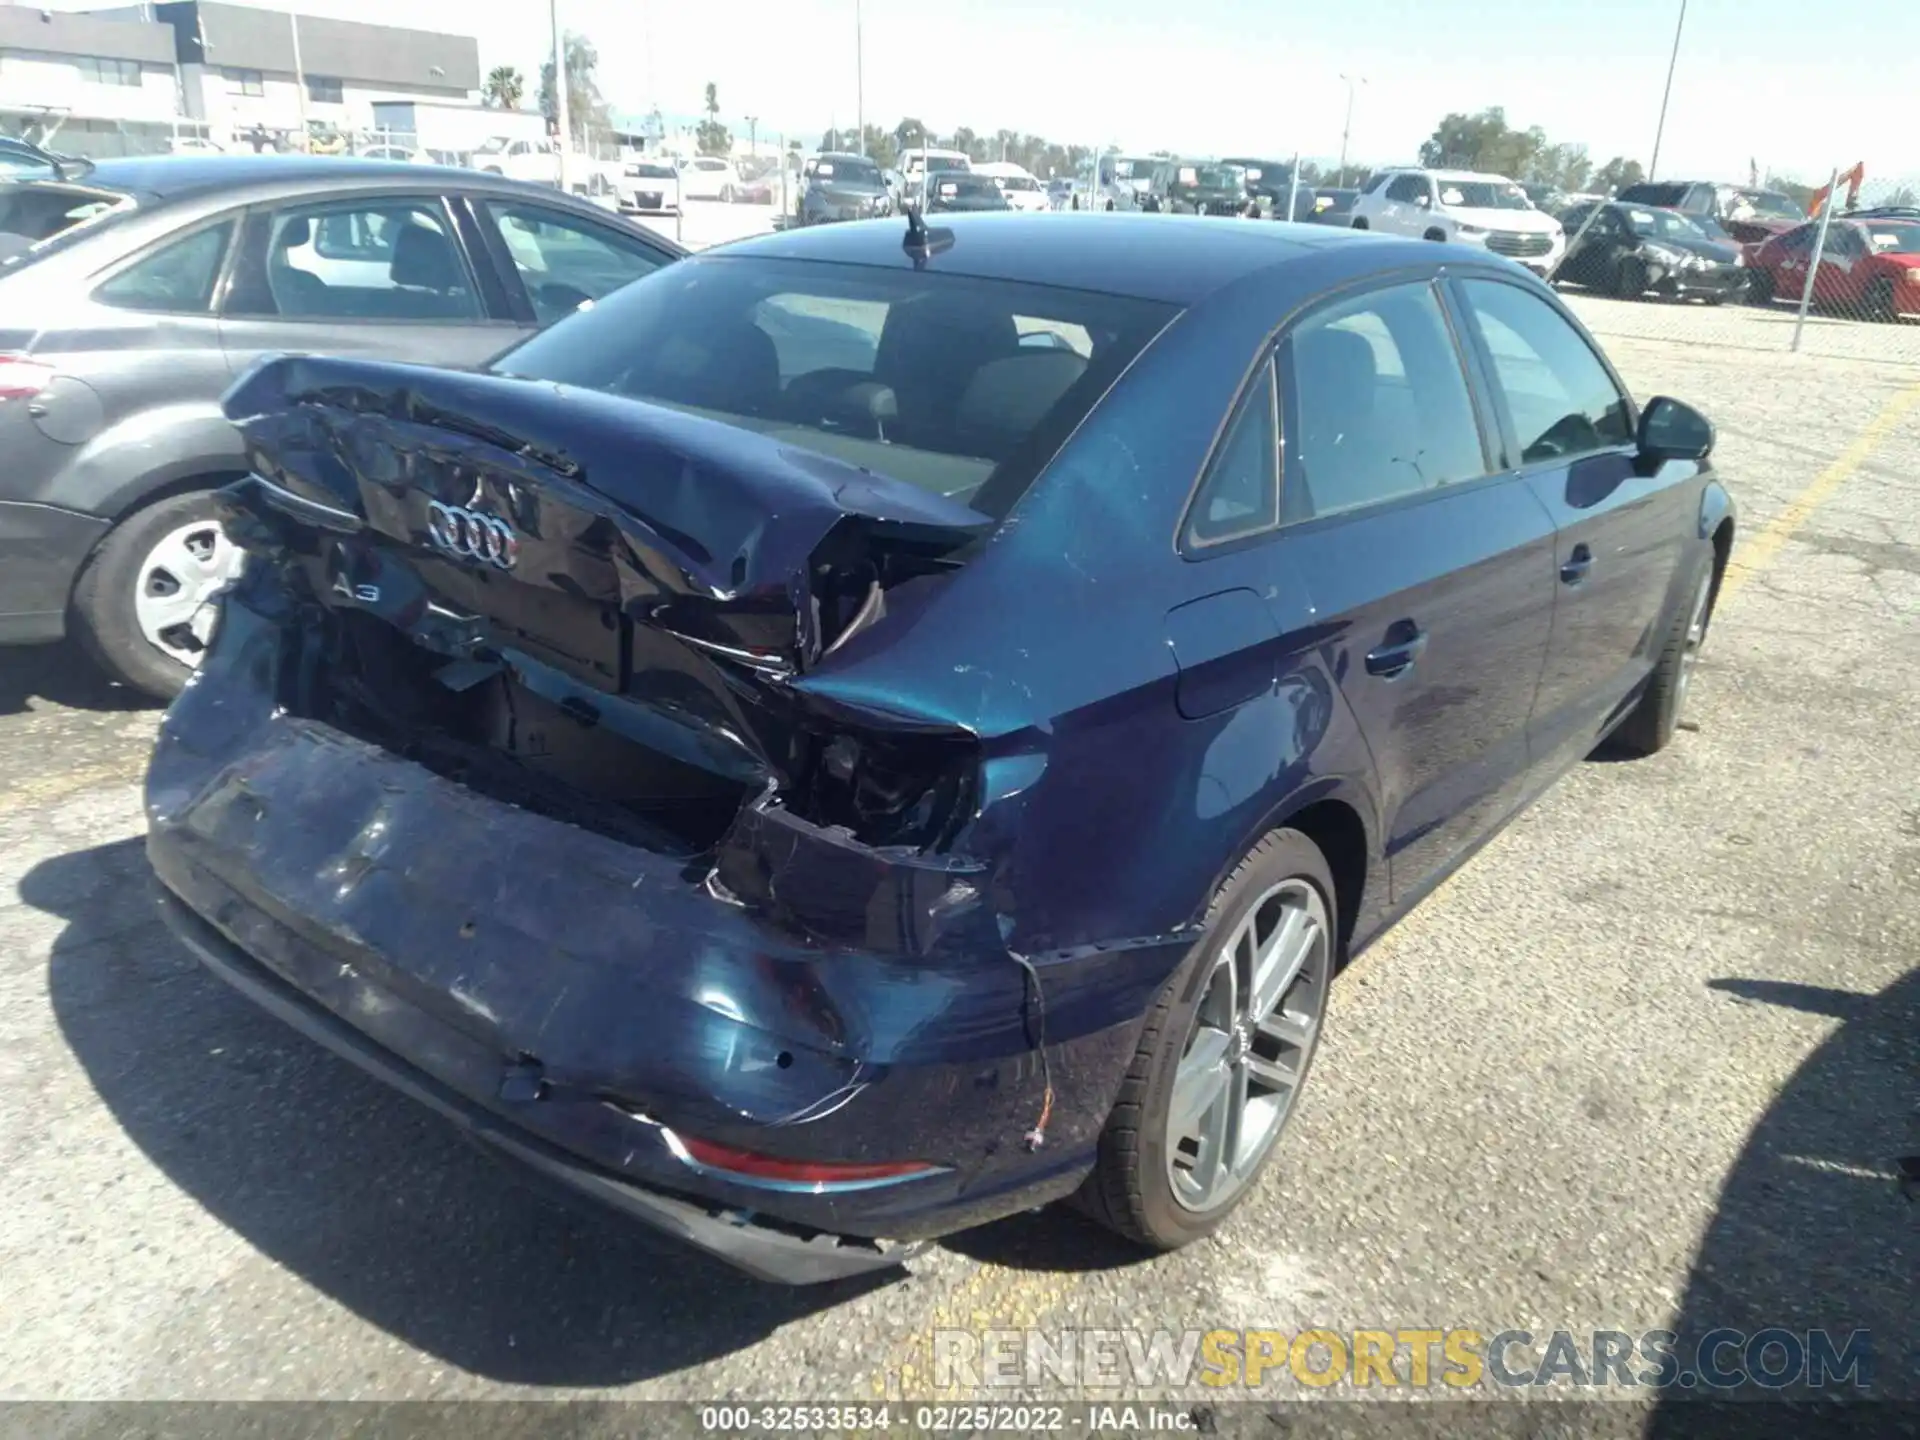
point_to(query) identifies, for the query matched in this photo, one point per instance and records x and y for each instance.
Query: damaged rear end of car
(502, 779)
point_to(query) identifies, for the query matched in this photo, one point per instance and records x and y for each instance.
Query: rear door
(1432, 570)
(1843, 266)
(380, 276)
(1568, 428)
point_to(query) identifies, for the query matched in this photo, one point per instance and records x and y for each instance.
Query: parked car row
(133, 291)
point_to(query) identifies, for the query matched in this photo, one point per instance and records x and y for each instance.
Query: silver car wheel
(1696, 637)
(1254, 1034)
(176, 586)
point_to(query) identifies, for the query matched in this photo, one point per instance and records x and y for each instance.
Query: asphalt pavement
(1648, 1061)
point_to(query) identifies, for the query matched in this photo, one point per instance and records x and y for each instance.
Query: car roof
(841, 155)
(1173, 258)
(169, 177)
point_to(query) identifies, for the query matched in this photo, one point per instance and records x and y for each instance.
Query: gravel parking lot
(1650, 1057)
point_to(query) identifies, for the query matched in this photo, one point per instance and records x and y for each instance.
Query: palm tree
(504, 88)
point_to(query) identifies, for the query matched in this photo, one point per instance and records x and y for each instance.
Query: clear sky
(1797, 85)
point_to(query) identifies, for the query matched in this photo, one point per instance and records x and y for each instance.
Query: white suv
(1463, 207)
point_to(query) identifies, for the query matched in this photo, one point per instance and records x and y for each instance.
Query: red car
(1870, 266)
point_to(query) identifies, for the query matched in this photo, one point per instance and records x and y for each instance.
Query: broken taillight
(771, 1172)
(22, 377)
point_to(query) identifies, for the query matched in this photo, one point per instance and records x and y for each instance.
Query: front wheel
(1650, 726)
(1223, 1054)
(1880, 302)
(1359, 222)
(1630, 279)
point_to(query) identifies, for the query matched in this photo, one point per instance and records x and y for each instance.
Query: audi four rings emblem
(472, 535)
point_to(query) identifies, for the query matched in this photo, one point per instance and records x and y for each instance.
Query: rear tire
(1651, 725)
(1359, 222)
(1759, 288)
(1161, 1183)
(1438, 236)
(171, 548)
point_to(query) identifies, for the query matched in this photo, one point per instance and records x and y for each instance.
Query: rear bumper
(589, 999)
(42, 548)
(766, 1252)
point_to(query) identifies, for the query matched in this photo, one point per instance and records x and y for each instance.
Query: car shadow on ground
(63, 675)
(1813, 1231)
(369, 1198)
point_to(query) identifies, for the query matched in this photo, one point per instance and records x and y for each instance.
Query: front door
(1432, 571)
(1569, 430)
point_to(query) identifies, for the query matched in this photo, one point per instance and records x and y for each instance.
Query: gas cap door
(1224, 648)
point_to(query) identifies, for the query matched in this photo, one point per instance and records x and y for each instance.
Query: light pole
(753, 136)
(859, 80)
(1346, 130)
(562, 120)
(1667, 94)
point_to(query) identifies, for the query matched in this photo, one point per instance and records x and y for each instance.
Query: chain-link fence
(1832, 271)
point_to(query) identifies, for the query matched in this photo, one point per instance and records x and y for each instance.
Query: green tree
(909, 134)
(506, 87)
(1797, 191)
(586, 110)
(1483, 141)
(710, 137)
(1904, 196)
(882, 148)
(1616, 175)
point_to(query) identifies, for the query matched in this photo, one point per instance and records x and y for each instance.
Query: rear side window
(1561, 399)
(961, 385)
(1407, 187)
(1377, 404)
(177, 278)
(1241, 493)
(386, 259)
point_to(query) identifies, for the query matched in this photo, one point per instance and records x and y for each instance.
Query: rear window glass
(32, 216)
(963, 386)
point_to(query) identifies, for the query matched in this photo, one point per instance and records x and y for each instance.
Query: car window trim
(1269, 370)
(502, 253)
(1510, 436)
(259, 220)
(1492, 452)
(108, 273)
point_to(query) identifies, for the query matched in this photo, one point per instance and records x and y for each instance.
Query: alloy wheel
(1696, 637)
(1254, 1034)
(176, 587)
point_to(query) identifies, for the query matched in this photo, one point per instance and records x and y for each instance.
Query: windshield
(1896, 238)
(1211, 177)
(652, 172)
(493, 146)
(1665, 224)
(1128, 167)
(1483, 195)
(1764, 205)
(1018, 182)
(960, 385)
(848, 172)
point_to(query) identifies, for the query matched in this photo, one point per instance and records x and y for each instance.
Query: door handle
(1578, 566)
(1393, 659)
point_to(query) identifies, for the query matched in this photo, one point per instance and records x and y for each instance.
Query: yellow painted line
(995, 1297)
(1750, 557)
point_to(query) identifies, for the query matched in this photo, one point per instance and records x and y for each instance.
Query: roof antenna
(921, 242)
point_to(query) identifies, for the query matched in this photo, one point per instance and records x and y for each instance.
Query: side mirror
(1673, 430)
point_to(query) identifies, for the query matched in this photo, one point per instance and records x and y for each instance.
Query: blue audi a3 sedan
(874, 728)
